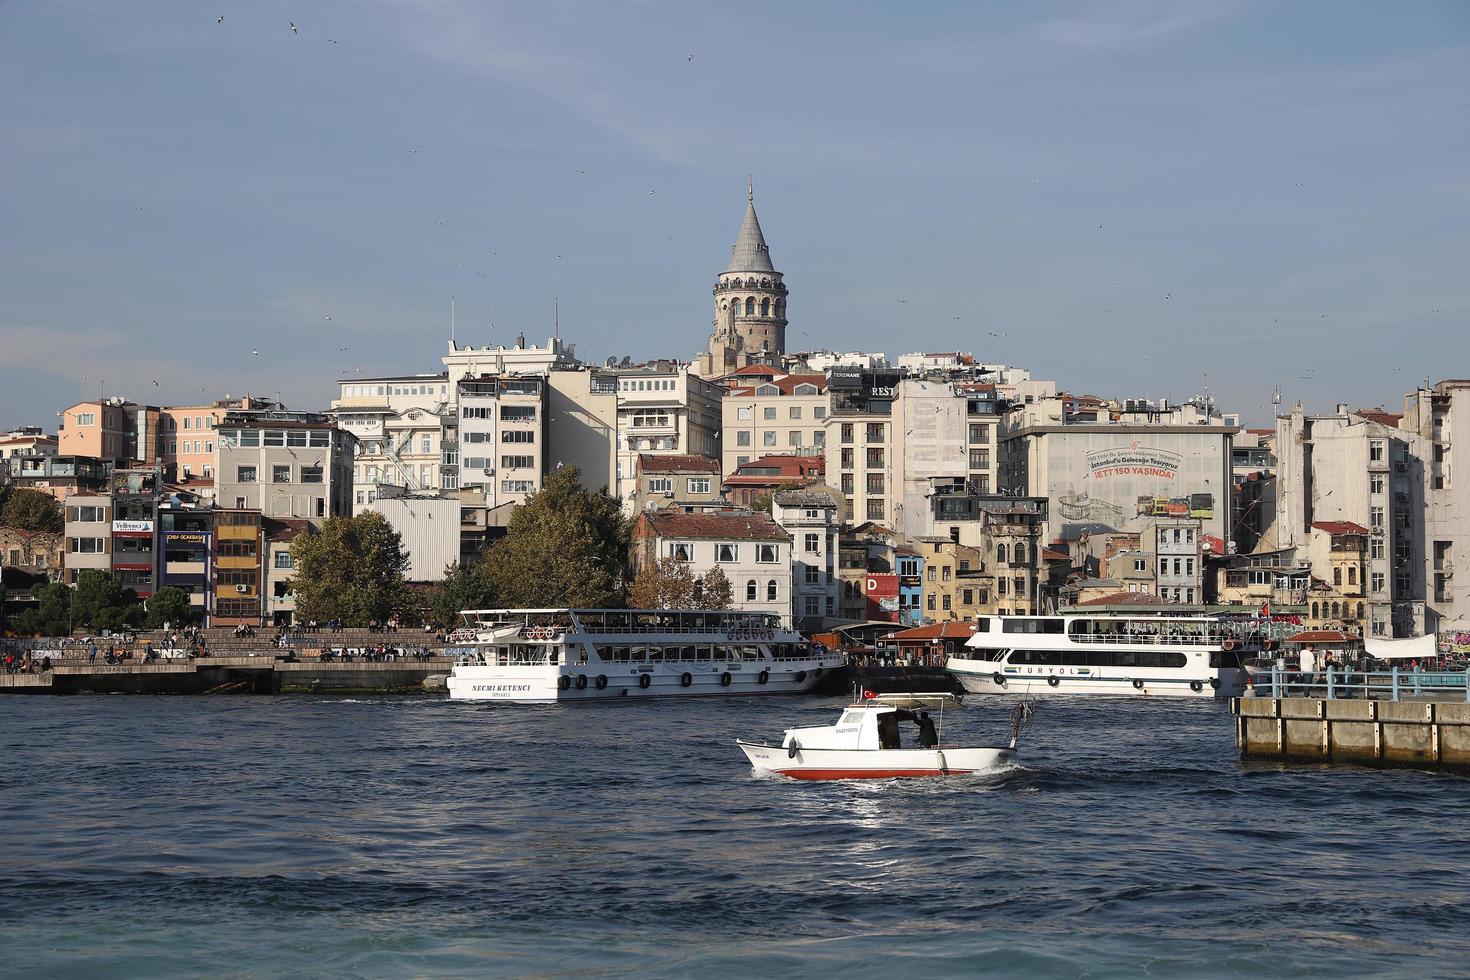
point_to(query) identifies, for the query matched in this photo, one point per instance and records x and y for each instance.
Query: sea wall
(1420, 734)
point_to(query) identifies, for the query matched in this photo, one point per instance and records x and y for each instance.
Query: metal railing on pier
(1385, 685)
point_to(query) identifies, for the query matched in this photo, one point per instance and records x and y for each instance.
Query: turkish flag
(869, 695)
(1266, 609)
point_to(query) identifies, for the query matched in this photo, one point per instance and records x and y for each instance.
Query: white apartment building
(403, 425)
(752, 550)
(285, 465)
(810, 518)
(785, 415)
(501, 436)
(663, 408)
(1435, 415)
(1179, 570)
(1353, 467)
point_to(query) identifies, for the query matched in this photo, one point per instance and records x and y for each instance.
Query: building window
(1375, 516)
(813, 575)
(875, 431)
(244, 474)
(283, 560)
(766, 554)
(742, 438)
(727, 552)
(768, 438)
(657, 484)
(699, 485)
(771, 591)
(1375, 451)
(875, 510)
(517, 486)
(812, 543)
(769, 414)
(847, 459)
(1377, 582)
(518, 462)
(875, 483)
(875, 458)
(979, 434)
(311, 474)
(681, 551)
(846, 432)
(518, 435)
(750, 591)
(239, 503)
(1140, 564)
(281, 474)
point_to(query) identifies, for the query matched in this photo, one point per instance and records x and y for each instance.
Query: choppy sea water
(411, 836)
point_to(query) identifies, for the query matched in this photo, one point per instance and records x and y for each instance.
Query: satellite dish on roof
(612, 361)
(626, 361)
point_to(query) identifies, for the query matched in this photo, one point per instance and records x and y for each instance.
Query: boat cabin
(870, 725)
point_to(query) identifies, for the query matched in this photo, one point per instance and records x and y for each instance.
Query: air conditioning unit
(242, 589)
(489, 471)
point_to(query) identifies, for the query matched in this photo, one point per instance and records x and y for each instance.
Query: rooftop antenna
(556, 316)
(451, 321)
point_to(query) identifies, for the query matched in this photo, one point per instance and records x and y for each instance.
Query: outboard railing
(1336, 683)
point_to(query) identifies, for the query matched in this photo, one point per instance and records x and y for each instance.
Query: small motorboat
(866, 743)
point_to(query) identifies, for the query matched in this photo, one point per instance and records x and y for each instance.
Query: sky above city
(1137, 199)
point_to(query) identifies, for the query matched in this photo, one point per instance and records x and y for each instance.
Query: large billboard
(1127, 481)
(881, 592)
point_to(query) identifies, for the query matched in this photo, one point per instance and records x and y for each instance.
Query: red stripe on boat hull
(869, 773)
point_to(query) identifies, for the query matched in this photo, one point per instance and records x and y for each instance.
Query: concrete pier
(233, 675)
(1417, 734)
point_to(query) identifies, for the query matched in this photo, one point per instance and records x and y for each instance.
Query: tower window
(765, 307)
(750, 306)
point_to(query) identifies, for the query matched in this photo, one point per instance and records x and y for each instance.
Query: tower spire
(752, 190)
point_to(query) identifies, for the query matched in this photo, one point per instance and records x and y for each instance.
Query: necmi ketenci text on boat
(543, 656)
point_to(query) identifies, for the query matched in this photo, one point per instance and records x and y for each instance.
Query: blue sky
(1140, 198)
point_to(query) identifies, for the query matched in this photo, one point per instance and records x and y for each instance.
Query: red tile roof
(727, 526)
(786, 385)
(677, 463)
(953, 630)
(1340, 527)
(1378, 415)
(1126, 599)
(1052, 554)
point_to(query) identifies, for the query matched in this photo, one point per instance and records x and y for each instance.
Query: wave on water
(404, 836)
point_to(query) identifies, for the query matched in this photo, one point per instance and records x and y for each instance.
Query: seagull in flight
(221, 19)
(293, 28)
(254, 353)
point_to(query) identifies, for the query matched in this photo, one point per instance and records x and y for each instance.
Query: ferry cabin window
(851, 718)
(990, 656)
(1031, 625)
(1099, 658)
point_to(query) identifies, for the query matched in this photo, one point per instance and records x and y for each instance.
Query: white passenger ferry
(541, 656)
(1134, 654)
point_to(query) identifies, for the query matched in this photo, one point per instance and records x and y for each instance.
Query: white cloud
(1122, 26)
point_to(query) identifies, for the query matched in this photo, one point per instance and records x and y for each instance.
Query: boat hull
(617, 682)
(874, 763)
(979, 677)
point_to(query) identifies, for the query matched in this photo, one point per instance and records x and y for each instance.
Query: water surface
(407, 836)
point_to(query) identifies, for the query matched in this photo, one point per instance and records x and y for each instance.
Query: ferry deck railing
(1154, 639)
(1335, 683)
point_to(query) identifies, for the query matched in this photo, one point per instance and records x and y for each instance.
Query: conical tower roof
(750, 253)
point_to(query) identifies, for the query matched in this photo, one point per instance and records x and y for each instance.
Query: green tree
(100, 603)
(565, 546)
(32, 510)
(351, 569)
(666, 584)
(51, 614)
(170, 605)
(713, 590)
(464, 587)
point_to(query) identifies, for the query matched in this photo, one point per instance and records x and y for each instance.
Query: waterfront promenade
(353, 660)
